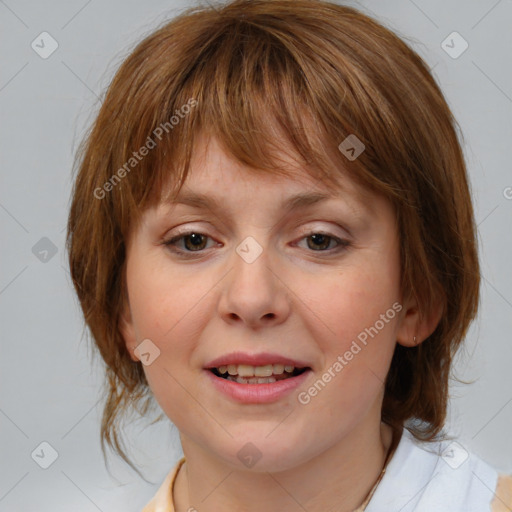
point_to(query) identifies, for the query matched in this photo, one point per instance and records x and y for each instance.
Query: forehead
(216, 176)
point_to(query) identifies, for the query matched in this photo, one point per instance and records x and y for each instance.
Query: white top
(437, 476)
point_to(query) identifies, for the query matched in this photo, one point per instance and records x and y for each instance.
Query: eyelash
(171, 243)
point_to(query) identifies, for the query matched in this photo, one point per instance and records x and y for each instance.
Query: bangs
(253, 91)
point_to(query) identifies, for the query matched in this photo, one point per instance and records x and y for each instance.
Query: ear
(413, 328)
(127, 330)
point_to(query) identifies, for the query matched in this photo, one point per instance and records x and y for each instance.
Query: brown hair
(315, 72)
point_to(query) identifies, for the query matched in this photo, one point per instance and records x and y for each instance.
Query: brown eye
(197, 241)
(192, 242)
(319, 241)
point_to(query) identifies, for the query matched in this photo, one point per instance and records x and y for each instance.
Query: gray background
(50, 386)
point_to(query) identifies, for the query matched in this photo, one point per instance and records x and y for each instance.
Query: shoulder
(472, 477)
(452, 479)
(503, 499)
(162, 501)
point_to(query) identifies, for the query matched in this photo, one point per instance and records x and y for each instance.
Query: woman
(272, 233)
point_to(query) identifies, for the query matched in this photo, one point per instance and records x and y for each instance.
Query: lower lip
(257, 393)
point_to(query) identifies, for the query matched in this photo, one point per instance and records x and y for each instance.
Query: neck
(340, 477)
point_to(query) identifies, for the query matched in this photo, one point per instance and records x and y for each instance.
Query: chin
(262, 453)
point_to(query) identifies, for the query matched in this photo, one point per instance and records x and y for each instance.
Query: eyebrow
(292, 203)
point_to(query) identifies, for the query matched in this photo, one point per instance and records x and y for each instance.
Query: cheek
(357, 348)
(170, 309)
(350, 300)
(353, 315)
(164, 301)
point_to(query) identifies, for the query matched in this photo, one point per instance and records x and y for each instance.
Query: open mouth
(246, 374)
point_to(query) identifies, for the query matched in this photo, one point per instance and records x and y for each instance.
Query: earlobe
(415, 328)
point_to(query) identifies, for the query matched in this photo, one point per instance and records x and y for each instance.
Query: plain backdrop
(50, 386)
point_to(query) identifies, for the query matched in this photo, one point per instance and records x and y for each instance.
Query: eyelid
(325, 231)
(179, 230)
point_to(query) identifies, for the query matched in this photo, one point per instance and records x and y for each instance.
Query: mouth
(248, 374)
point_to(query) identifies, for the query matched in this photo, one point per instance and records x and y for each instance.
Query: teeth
(279, 369)
(254, 380)
(263, 371)
(246, 370)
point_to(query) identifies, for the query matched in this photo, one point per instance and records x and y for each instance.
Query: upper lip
(261, 359)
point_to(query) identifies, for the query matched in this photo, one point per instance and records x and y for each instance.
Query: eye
(318, 242)
(193, 240)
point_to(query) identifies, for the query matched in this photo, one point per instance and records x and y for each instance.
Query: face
(248, 276)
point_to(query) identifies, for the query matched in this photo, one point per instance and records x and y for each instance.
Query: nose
(254, 294)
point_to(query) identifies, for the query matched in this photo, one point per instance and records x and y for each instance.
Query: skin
(299, 298)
